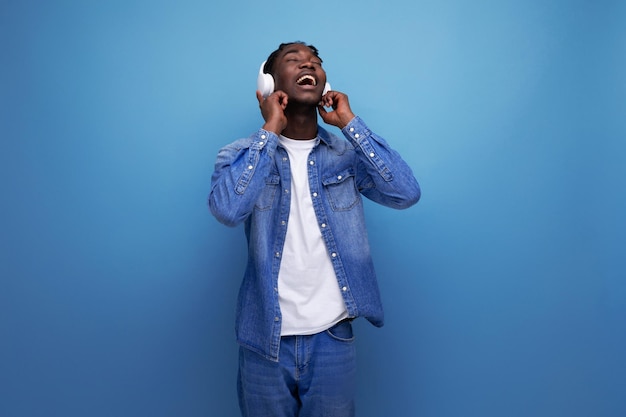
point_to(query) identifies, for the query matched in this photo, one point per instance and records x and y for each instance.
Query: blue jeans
(315, 377)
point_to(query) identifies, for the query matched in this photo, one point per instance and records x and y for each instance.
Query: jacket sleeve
(239, 176)
(382, 175)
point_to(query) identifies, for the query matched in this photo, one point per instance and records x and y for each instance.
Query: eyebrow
(298, 51)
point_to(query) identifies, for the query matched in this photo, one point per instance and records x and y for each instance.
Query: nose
(307, 63)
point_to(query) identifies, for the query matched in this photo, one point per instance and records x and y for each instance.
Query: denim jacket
(251, 184)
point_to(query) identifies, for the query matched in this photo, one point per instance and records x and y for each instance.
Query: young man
(297, 188)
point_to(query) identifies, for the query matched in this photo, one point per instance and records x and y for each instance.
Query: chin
(312, 99)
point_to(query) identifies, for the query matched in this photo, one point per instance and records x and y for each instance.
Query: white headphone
(265, 83)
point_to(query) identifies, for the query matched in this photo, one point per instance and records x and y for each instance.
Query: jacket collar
(335, 143)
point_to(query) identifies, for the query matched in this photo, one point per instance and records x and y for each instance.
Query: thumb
(326, 116)
(322, 111)
(259, 97)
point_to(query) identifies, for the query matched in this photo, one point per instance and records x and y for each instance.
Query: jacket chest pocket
(341, 190)
(268, 194)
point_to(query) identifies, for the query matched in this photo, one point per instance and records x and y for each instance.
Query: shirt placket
(326, 230)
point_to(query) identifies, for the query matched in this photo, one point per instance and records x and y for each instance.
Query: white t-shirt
(309, 295)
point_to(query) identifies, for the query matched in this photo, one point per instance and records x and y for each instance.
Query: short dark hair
(269, 64)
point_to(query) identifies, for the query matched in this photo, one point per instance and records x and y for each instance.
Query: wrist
(346, 119)
(273, 127)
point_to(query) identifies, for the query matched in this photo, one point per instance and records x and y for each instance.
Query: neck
(301, 123)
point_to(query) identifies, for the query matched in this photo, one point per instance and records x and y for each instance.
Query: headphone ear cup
(326, 89)
(265, 82)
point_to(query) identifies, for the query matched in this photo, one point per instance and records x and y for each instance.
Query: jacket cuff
(264, 139)
(356, 130)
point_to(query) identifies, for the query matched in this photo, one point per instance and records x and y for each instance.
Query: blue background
(504, 287)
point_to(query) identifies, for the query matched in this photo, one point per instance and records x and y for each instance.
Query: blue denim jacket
(251, 184)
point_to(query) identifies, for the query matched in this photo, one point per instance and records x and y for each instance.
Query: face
(299, 73)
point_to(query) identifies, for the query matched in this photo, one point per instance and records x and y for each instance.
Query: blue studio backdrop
(504, 287)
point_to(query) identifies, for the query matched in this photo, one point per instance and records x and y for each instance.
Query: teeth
(307, 77)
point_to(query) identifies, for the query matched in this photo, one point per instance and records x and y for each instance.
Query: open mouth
(307, 80)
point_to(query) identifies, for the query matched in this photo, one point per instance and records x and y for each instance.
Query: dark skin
(292, 109)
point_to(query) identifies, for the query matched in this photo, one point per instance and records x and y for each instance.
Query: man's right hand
(273, 111)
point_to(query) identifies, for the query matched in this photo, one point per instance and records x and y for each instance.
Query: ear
(265, 82)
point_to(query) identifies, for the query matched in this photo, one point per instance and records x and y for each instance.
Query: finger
(259, 97)
(338, 97)
(283, 98)
(323, 113)
(333, 95)
(327, 116)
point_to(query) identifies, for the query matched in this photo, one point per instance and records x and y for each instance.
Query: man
(297, 188)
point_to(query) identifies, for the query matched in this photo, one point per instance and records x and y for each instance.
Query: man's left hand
(341, 113)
